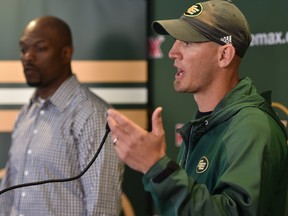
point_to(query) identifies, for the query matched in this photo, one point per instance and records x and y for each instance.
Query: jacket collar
(244, 94)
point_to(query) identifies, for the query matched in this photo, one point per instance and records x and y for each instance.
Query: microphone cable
(107, 130)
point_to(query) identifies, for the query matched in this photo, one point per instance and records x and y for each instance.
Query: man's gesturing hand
(136, 147)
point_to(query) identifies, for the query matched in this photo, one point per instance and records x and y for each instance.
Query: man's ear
(67, 53)
(226, 54)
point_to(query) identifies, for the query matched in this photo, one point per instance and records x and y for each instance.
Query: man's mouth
(179, 74)
(30, 70)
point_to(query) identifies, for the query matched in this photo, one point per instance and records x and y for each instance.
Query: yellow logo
(194, 10)
(203, 165)
(284, 110)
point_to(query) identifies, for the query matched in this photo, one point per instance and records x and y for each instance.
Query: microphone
(107, 131)
(107, 128)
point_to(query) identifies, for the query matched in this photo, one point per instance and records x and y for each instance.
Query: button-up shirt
(54, 139)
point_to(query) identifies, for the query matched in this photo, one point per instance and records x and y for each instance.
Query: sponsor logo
(203, 165)
(154, 47)
(178, 138)
(269, 38)
(227, 39)
(194, 10)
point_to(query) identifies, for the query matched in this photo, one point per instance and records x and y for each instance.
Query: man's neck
(207, 101)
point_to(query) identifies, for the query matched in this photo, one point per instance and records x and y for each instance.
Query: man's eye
(189, 44)
(186, 43)
(23, 50)
(41, 49)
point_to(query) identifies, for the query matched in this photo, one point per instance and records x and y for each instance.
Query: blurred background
(122, 60)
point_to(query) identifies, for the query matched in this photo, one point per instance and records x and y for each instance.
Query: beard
(33, 79)
(33, 84)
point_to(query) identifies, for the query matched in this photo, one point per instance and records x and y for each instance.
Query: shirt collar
(61, 98)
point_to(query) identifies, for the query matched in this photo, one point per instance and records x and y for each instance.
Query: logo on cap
(194, 10)
(227, 39)
(203, 165)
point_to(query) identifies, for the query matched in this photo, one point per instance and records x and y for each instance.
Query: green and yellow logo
(194, 10)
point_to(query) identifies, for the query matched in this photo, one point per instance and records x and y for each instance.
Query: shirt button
(35, 131)
(23, 194)
(26, 173)
(42, 112)
(29, 151)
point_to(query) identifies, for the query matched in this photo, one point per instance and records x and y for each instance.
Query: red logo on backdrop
(178, 138)
(154, 47)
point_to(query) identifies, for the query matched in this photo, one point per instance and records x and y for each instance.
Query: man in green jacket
(233, 160)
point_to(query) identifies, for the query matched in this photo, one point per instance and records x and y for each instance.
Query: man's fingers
(116, 115)
(118, 121)
(157, 125)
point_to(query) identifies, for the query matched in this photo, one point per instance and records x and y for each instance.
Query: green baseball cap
(216, 20)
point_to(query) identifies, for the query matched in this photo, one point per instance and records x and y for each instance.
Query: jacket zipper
(188, 149)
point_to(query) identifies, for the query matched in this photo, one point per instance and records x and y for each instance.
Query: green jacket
(232, 162)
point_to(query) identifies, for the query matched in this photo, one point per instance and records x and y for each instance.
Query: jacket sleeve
(179, 194)
(250, 184)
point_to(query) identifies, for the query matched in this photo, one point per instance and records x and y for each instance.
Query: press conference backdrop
(110, 58)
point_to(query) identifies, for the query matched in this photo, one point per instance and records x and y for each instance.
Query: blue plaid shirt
(55, 139)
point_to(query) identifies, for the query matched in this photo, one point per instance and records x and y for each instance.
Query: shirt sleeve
(102, 183)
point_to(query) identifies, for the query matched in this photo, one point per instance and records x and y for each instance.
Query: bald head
(57, 27)
(46, 53)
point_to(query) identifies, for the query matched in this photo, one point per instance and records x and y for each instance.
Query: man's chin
(177, 87)
(33, 84)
